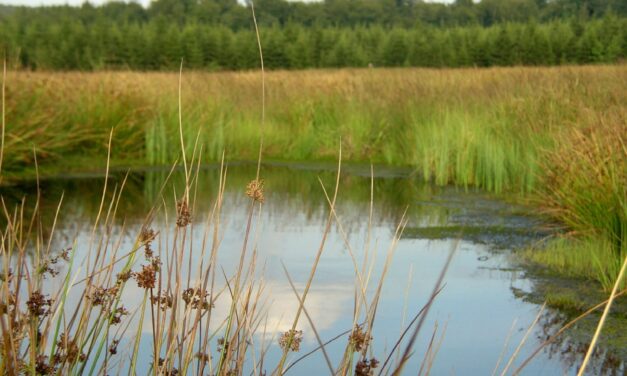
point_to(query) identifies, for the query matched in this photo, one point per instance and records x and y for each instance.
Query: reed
(554, 136)
(69, 311)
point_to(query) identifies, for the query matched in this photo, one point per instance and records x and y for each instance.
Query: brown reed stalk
(606, 311)
(314, 267)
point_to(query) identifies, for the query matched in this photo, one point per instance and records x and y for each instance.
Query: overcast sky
(79, 2)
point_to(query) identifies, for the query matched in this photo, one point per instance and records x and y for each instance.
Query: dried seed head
(358, 339)
(46, 267)
(164, 301)
(146, 237)
(102, 296)
(196, 298)
(65, 254)
(67, 351)
(146, 278)
(291, 340)
(123, 277)
(184, 215)
(113, 348)
(38, 305)
(164, 369)
(42, 367)
(203, 357)
(366, 367)
(117, 315)
(223, 345)
(254, 190)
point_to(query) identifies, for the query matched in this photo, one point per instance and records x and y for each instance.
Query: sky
(95, 2)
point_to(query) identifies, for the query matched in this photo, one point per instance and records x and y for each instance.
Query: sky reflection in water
(474, 312)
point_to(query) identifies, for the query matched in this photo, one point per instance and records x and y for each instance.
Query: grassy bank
(556, 135)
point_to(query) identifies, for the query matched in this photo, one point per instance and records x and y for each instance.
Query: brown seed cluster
(146, 237)
(113, 348)
(203, 357)
(8, 306)
(184, 215)
(103, 296)
(164, 369)
(42, 367)
(254, 190)
(291, 340)
(123, 277)
(147, 277)
(38, 305)
(197, 298)
(223, 347)
(119, 312)
(164, 301)
(48, 266)
(67, 351)
(366, 367)
(359, 339)
(222, 344)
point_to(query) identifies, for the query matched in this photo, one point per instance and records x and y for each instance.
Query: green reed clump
(585, 180)
(585, 185)
(475, 150)
(65, 120)
(591, 258)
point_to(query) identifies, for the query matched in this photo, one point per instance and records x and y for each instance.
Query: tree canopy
(217, 34)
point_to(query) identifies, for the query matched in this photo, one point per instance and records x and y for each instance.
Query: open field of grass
(556, 136)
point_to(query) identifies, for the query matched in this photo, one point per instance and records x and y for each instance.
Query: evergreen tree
(589, 48)
(395, 49)
(502, 48)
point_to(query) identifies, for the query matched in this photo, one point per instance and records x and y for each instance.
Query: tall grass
(555, 135)
(43, 333)
(68, 311)
(391, 116)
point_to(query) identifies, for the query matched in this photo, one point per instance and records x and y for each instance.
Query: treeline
(160, 46)
(218, 34)
(234, 15)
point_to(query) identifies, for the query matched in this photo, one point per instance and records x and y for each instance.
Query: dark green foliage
(218, 34)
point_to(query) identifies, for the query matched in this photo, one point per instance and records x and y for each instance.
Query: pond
(478, 317)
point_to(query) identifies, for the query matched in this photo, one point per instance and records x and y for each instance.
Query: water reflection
(477, 304)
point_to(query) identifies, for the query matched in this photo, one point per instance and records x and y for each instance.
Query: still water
(472, 316)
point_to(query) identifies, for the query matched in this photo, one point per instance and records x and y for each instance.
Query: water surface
(472, 316)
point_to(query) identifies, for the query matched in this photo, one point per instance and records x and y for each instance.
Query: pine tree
(395, 49)
(502, 48)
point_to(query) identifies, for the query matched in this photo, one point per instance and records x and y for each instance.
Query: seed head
(123, 277)
(291, 340)
(164, 301)
(254, 190)
(42, 367)
(366, 367)
(117, 315)
(38, 305)
(196, 298)
(146, 237)
(184, 215)
(147, 277)
(358, 339)
(113, 348)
